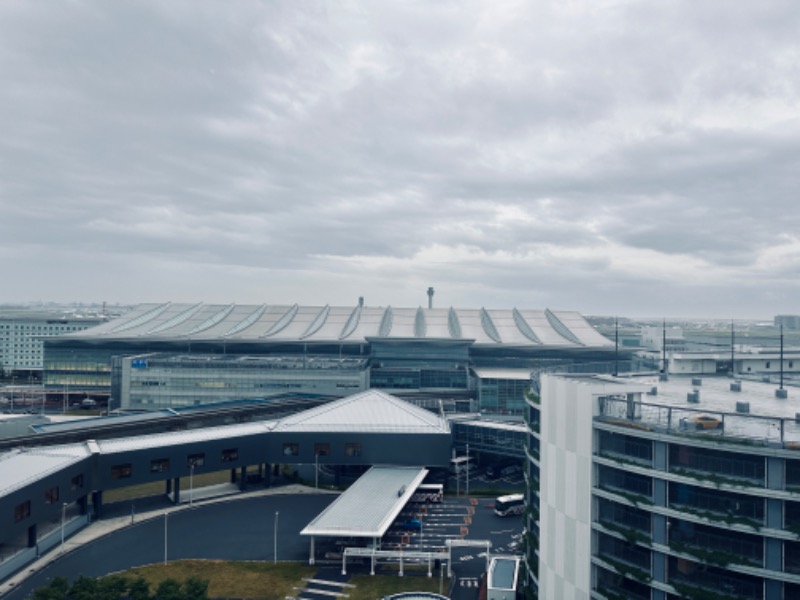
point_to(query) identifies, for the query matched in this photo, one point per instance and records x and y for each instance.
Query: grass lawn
(256, 580)
(269, 581)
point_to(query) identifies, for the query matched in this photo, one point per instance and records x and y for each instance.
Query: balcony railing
(733, 428)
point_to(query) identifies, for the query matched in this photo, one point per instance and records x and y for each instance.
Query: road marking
(328, 582)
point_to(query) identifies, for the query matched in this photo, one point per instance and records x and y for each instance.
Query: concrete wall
(565, 489)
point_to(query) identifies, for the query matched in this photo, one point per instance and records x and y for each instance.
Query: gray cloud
(609, 157)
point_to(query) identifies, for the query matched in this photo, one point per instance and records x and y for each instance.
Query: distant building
(653, 338)
(641, 488)
(791, 322)
(22, 334)
(478, 359)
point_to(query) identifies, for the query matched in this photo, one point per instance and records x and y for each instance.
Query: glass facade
(149, 382)
(502, 396)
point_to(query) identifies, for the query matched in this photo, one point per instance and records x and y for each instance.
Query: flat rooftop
(754, 413)
(715, 394)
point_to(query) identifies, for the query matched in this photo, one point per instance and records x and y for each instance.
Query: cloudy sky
(639, 158)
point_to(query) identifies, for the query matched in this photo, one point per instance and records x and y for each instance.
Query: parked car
(701, 422)
(412, 525)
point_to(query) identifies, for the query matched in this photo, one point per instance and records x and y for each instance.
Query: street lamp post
(275, 540)
(63, 518)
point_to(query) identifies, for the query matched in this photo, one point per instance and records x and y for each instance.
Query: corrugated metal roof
(22, 467)
(173, 438)
(369, 506)
(495, 327)
(370, 411)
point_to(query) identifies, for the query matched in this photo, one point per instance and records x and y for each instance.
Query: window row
(162, 465)
(322, 449)
(51, 496)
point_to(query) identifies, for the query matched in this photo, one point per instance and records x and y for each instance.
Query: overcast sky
(611, 157)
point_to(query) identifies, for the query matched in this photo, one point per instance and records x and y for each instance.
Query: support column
(176, 485)
(311, 552)
(83, 505)
(32, 536)
(233, 475)
(97, 504)
(243, 479)
(168, 487)
(268, 476)
(337, 476)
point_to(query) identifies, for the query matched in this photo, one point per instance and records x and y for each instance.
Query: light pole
(165, 538)
(316, 472)
(467, 485)
(63, 518)
(275, 540)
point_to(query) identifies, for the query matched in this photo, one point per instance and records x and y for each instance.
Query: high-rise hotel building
(648, 489)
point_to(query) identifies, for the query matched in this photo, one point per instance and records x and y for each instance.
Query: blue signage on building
(139, 363)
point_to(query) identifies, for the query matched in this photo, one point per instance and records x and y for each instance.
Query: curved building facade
(645, 489)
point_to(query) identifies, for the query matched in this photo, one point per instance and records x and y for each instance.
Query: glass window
(230, 455)
(121, 471)
(322, 449)
(291, 449)
(22, 511)
(159, 465)
(77, 482)
(352, 449)
(51, 495)
(196, 460)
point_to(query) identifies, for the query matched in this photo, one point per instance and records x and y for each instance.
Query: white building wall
(565, 535)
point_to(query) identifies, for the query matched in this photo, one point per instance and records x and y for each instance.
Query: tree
(139, 589)
(169, 589)
(83, 588)
(195, 588)
(56, 590)
(111, 588)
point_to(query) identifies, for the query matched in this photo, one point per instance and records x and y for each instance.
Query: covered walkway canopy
(369, 507)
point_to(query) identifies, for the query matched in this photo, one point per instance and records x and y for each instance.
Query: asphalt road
(245, 530)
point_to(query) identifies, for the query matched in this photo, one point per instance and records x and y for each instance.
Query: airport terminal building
(158, 355)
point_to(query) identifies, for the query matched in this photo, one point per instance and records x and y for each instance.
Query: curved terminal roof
(341, 324)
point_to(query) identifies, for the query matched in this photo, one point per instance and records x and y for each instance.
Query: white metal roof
(370, 411)
(264, 323)
(22, 467)
(172, 438)
(369, 506)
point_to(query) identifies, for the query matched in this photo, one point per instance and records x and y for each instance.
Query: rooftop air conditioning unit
(742, 407)
(697, 382)
(653, 391)
(693, 397)
(736, 386)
